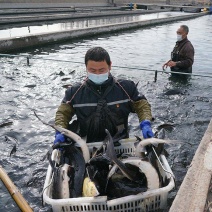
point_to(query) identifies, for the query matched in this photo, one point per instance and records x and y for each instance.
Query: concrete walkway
(19, 43)
(193, 191)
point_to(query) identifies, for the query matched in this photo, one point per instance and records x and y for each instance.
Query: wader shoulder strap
(68, 102)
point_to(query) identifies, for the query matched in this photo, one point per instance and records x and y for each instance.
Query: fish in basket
(124, 175)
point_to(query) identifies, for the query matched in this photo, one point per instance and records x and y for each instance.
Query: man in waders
(182, 56)
(102, 102)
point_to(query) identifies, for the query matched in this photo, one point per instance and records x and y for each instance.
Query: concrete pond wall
(193, 191)
(50, 3)
(20, 43)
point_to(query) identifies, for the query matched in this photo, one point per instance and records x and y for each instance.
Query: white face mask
(98, 78)
(179, 37)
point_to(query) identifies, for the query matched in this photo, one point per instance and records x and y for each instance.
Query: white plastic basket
(150, 200)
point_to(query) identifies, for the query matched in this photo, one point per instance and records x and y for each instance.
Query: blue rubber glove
(146, 129)
(59, 138)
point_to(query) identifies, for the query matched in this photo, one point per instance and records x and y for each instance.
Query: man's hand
(59, 138)
(146, 129)
(170, 63)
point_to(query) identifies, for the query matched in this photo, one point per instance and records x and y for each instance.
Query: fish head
(140, 150)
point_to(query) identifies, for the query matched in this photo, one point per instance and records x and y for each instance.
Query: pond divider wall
(20, 43)
(193, 191)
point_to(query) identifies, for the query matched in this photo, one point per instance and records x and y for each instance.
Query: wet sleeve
(65, 111)
(143, 110)
(63, 115)
(188, 56)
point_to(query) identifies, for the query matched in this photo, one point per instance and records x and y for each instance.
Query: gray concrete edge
(49, 5)
(19, 43)
(193, 191)
(50, 17)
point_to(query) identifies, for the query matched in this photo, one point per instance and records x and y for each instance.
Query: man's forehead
(180, 30)
(97, 64)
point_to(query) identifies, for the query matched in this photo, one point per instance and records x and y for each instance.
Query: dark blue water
(40, 86)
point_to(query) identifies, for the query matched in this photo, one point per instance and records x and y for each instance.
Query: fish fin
(138, 138)
(122, 133)
(110, 151)
(13, 150)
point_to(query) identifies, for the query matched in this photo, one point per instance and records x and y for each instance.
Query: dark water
(40, 86)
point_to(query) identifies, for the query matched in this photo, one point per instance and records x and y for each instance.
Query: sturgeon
(174, 91)
(73, 156)
(145, 167)
(68, 167)
(141, 146)
(82, 144)
(110, 153)
(3, 124)
(61, 182)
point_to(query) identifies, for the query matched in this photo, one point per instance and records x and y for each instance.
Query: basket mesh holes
(157, 201)
(104, 207)
(74, 207)
(82, 208)
(127, 150)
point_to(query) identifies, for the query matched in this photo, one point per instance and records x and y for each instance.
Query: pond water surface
(40, 86)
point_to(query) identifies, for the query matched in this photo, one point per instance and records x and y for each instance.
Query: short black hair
(97, 54)
(185, 28)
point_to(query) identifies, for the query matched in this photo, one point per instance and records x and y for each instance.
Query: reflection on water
(40, 86)
(23, 31)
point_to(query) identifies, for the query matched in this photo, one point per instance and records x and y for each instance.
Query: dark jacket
(183, 54)
(100, 107)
